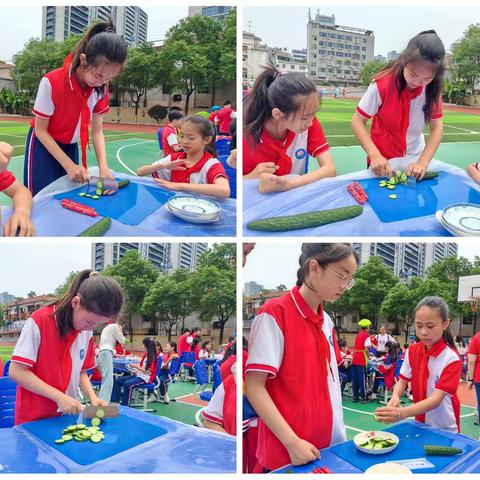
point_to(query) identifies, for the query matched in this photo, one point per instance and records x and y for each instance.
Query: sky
(40, 266)
(287, 27)
(265, 267)
(19, 24)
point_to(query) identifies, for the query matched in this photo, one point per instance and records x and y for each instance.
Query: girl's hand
(302, 452)
(264, 167)
(98, 402)
(417, 170)
(174, 165)
(175, 186)
(105, 172)
(380, 166)
(272, 183)
(388, 414)
(69, 405)
(77, 173)
(6, 151)
(21, 222)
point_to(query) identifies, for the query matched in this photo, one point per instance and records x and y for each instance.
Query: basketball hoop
(474, 304)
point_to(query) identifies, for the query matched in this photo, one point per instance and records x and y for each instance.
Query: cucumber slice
(82, 194)
(95, 197)
(59, 441)
(391, 187)
(392, 196)
(403, 177)
(99, 191)
(67, 437)
(96, 438)
(100, 413)
(95, 421)
(80, 426)
(99, 184)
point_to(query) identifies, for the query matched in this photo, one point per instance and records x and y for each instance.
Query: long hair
(426, 46)
(98, 294)
(205, 129)
(393, 349)
(151, 350)
(273, 89)
(324, 254)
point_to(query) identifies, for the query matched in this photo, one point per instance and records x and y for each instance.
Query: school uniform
(182, 343)
(381, 340)
(290, 154)
(128, 382)
(223, 406)
(204, 353)
(56, 360)
(164, 377)
(7, 179)
(398, 120)
(436, 369)
(169, 139)
(69, 109)
(359, 364)
(205, 171)
(224, 118)
(298, 350)
(474, 349)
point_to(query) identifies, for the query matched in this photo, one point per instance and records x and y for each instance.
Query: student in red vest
(68, 99)
(55, 348)
(402, 98)
(170, 140)
(433, 366)
(19, 223)
(359, 362)
(183, 343)
(196, 169)
(281, 130)
(224, 117)
(292, 379)
(474, 369)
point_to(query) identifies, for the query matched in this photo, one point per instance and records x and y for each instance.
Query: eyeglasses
(348, 280)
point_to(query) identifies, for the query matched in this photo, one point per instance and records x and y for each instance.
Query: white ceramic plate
(378, 434)
(456, 233)
(189, 218)
(464, 217)
(388, 468)
(194, 206)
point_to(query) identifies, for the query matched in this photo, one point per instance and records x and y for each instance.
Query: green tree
(141, 72)
(372, 283)
(370, 69)
(397, 306)
(2, 315)
(135, 276)
(62, 289)
(214, 295)
(221, 255)
(31, 294)
(466, 56)
(281, 288)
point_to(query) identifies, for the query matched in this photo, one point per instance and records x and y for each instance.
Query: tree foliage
(370, 69)
(466, 56)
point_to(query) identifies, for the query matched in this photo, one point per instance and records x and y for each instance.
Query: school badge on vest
(82, 354)
(300, 154)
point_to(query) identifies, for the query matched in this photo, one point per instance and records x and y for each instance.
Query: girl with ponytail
(292, 378)
(281, 130)
(433, 366)
(195, 169)
(68, 98)
(55, 348)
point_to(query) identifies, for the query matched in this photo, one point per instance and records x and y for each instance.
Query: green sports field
(460, 142)
(5, 352)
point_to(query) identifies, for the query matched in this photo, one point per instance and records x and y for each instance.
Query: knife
(106, 185)
(91, 412)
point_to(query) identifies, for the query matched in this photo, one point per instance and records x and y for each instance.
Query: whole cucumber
(305, 220)
(441, 450)
(430, 175)
(123, 183)
(98, 229)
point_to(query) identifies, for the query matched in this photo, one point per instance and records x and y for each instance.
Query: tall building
(393, 55)
(255, 57)
(300, 55)
(407, 259)
(5, 298)
(165, 257)
(218, 12)
(285, 62)
(336, 53)
(252, 288)
(60, 22)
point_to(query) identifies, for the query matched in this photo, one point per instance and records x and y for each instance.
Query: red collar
(411, 94)
(436, 349)
(266, 138)
(195, 167)
(305, 309)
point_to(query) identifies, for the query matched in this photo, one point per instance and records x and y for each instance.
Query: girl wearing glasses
(402, 98)
(292, 378)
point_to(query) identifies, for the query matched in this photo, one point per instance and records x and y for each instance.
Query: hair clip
(93, 273)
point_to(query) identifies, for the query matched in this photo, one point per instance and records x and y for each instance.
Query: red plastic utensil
(79, 208)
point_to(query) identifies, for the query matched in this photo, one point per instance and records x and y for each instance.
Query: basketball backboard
(468, 288)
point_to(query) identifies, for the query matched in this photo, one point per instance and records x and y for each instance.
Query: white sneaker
(166, 398)
(372, 396)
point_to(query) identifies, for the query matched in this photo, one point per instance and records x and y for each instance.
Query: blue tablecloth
(345, 458)
(183, 449)
(332, 193)
(121, 364)
(51, 219)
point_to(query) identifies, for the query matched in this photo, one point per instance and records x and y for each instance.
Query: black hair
(426, 46)
(440, 306)
(406, 345)
(393, 348)
(174, 346)
(151, 350)
(204, 344)
(460, 340)
(194, 343)
(324, 254)
(205, 128)
(227, 102)
(185, 330)
(174, 115)
(176, 108)
(233, 133)
(98, 294)
(159, 346)
(100, 44)
(231, 350)
(273, 89)
(342, 343)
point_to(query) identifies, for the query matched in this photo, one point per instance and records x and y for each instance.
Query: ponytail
(273, 89)
(98, 294)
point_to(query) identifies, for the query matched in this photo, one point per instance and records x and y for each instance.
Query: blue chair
(159, 135)
(6, 368)
(187, 357)
(174, 370)
(8, 395)
(217, 378)
(149, 388)
(206, 395)
(223, 146)
(201, 376)
(231, 173)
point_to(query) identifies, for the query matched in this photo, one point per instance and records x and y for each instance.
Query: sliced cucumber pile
(378, 443)
(81, 433)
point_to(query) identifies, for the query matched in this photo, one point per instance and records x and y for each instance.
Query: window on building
(348, 38)
(340, 37)
(364, 57)
(331, 53)
(356, 47)
(339, 54)
(364, 49)
(340, 46)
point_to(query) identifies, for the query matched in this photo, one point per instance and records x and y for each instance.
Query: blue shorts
(40, 168)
